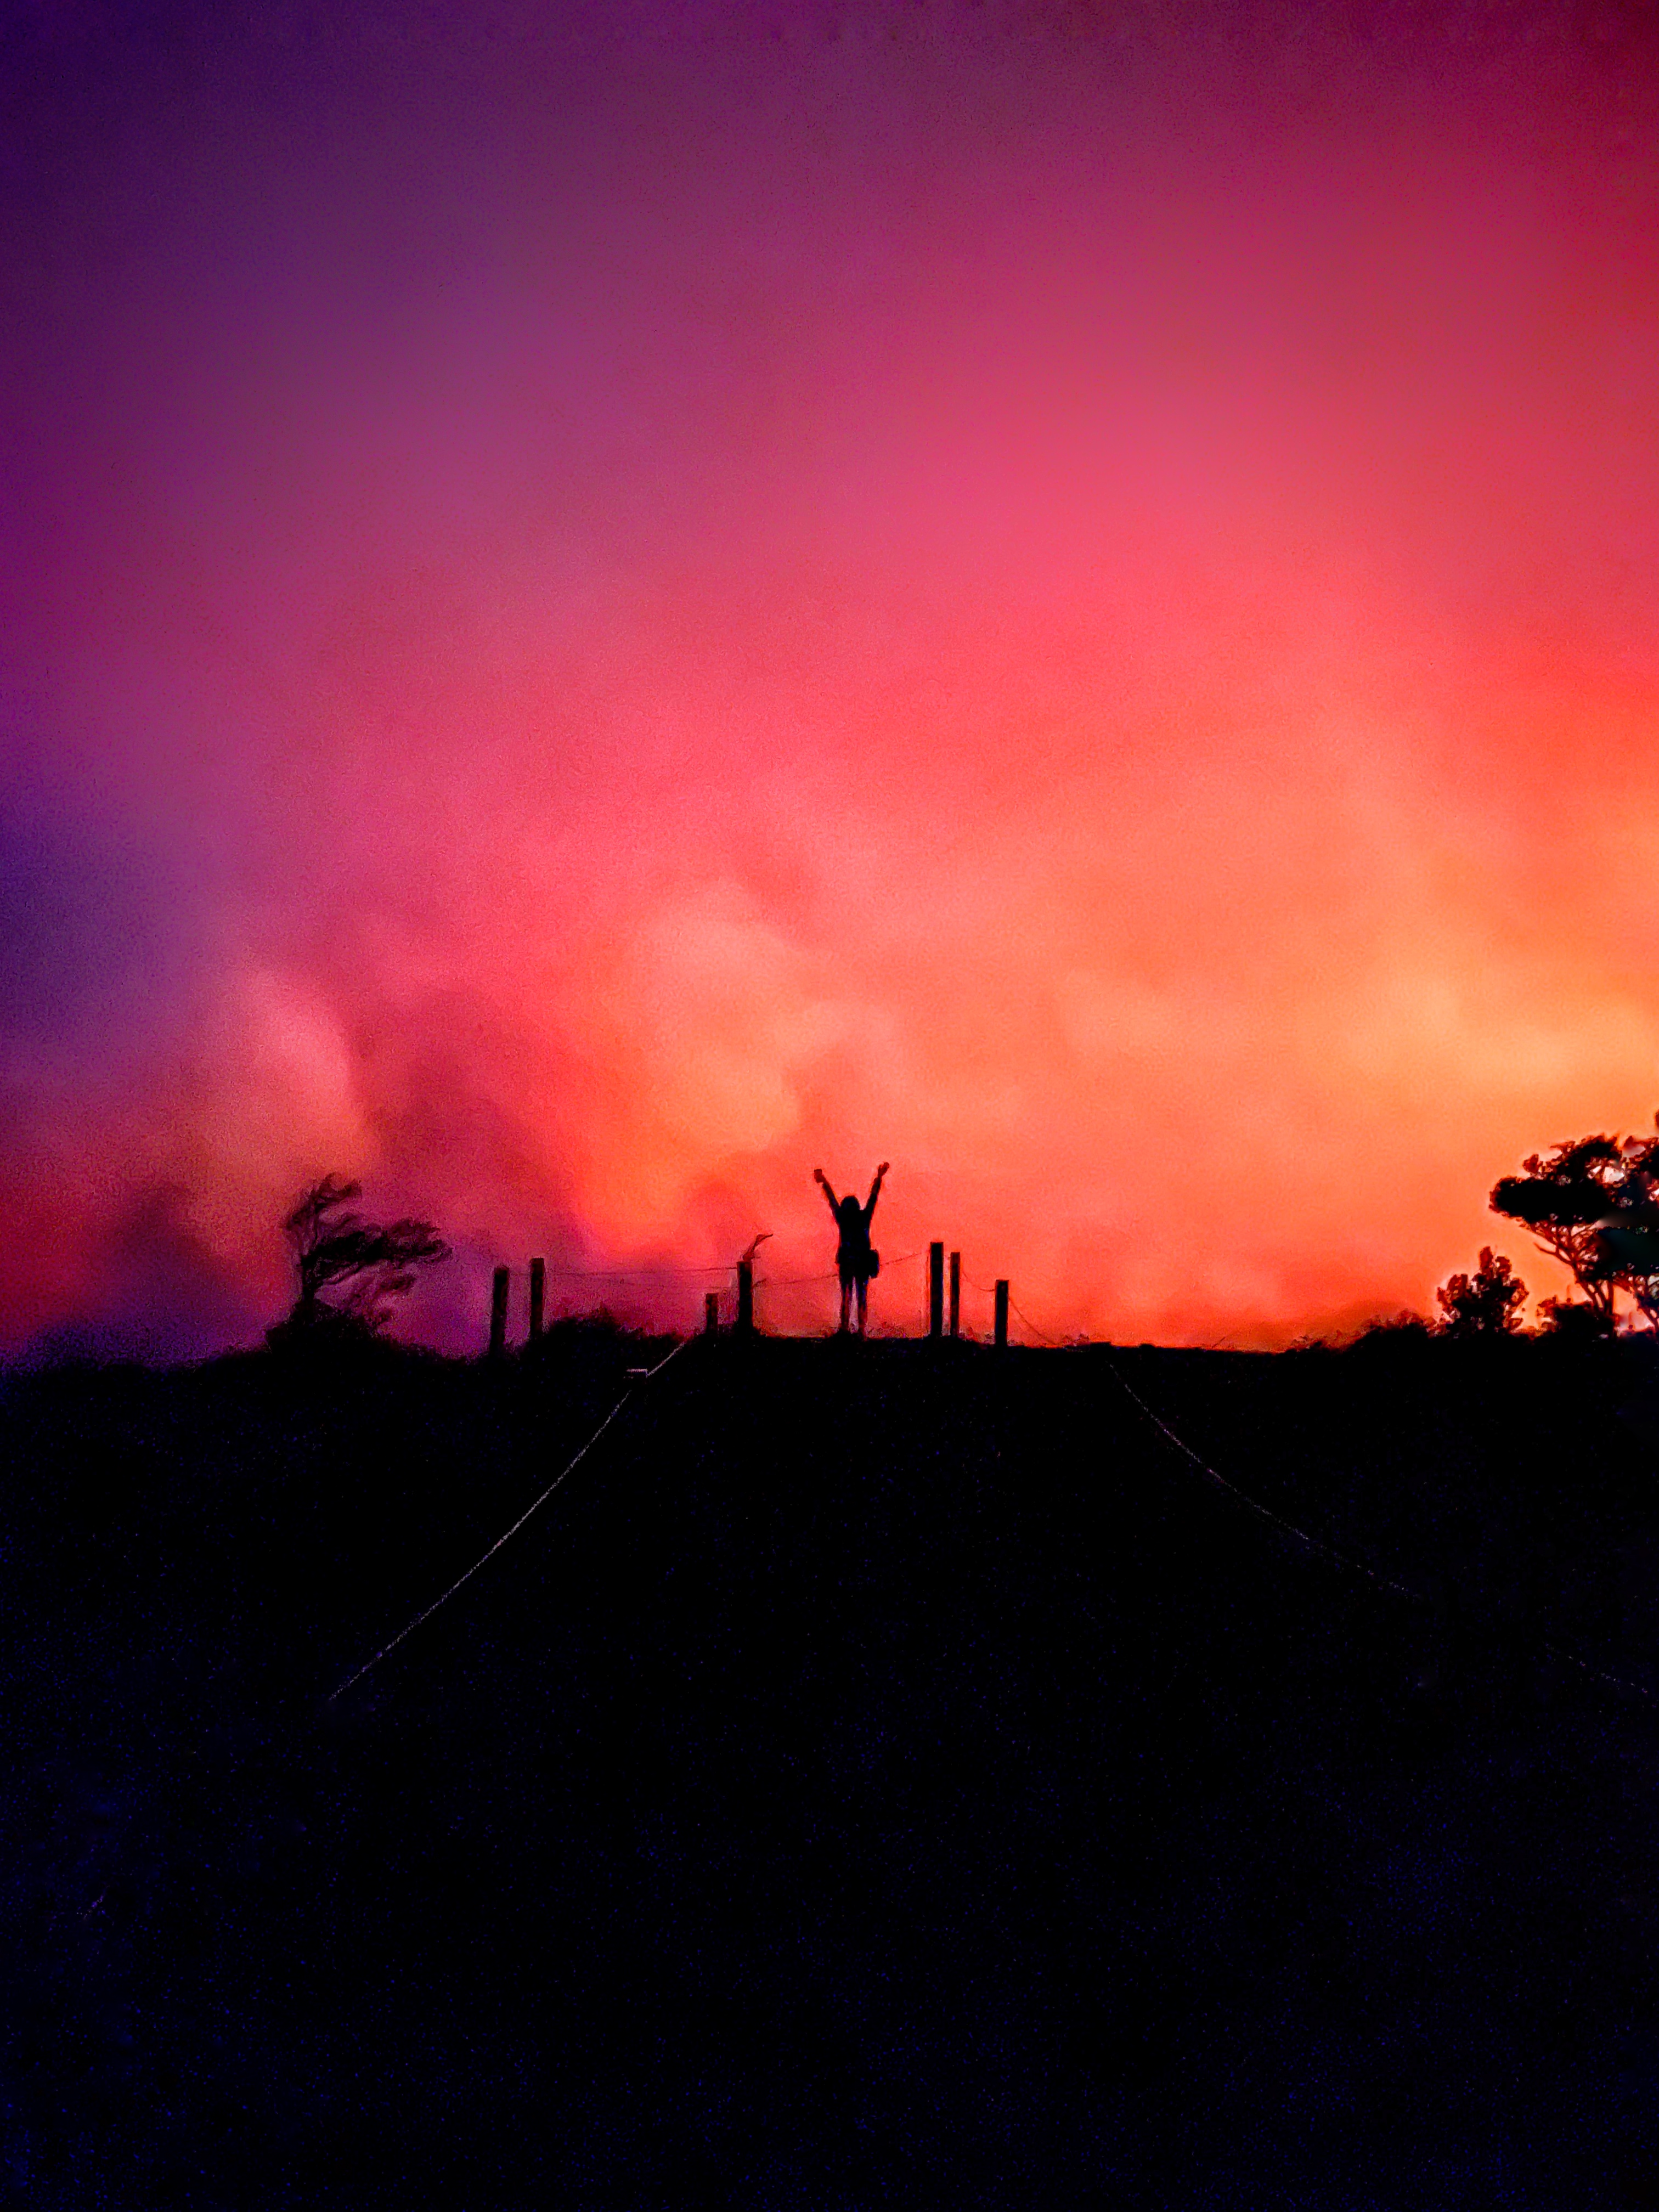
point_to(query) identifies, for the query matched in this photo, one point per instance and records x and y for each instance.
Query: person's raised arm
(875, 1189)
(822, 1182)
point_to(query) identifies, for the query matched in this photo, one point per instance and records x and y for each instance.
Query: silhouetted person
(854, 1260)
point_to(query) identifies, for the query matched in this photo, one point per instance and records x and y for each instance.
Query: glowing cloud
(607, 615)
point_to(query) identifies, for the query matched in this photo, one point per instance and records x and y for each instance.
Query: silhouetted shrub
(1486, 1303)
(1389, 1331)
(1568, 1318)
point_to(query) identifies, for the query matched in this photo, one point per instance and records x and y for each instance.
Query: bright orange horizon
(605, 618)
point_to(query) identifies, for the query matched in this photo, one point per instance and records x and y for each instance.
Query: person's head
(849, 1210)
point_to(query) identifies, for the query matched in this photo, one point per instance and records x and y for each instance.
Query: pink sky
(602, 615)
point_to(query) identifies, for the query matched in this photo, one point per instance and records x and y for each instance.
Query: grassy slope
(879, 1777)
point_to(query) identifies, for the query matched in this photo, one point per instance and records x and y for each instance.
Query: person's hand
(882, 1169)
(817, 1174)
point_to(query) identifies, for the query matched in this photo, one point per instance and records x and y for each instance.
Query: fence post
(956, 1296)
(745, 1297)
(537, 1298)
(1002, 1312)
(711, 1313)
(936, 1290)
(498, 1312)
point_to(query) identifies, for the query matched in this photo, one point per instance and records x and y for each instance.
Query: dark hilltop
(881, 1775)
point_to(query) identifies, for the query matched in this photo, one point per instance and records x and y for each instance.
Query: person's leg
(846, 1303)
(864, 1301)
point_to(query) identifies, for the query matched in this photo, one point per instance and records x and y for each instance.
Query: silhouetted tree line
(1591, 1203)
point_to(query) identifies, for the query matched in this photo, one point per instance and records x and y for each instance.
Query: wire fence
(1335, 1554)
(632, 1274)
(799, 1282)
(986, 1291)
(713, 1271)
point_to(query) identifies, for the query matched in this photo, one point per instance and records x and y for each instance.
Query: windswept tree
(351, 1270)
(1486, 1303)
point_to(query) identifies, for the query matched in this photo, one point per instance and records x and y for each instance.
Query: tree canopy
(1594, 1205)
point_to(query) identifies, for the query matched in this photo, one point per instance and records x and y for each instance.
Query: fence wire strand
(631, 1274)
(1313, 1543)
(632, 1390)
(794, 1282)
(1340, 1557)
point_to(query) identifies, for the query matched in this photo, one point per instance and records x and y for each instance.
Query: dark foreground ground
(879, 1777)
